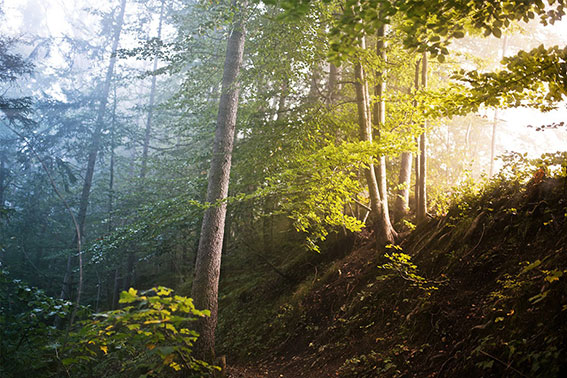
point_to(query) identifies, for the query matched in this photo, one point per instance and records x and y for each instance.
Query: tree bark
(334, 83)
(207, 269)
(384, 230)
(111, 168)
(3, 177)
(388, 232)
(417, 155)
(422, 203)
(401, 206)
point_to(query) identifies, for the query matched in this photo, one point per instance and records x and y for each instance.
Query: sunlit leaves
(151, 335)
(430, 25)
(537, 78)
(318, 185)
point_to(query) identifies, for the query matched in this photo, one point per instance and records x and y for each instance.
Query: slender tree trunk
(116, 288)
(95, 145)
(111, 178)
(314, 91)
(334, 83)
(3, 176)
(417, 188)
(402, 199)
(388, 231)
(422, 203)
(98, 291)
(97, 135)
(384, 234)
(207, 269)
(129, 279)
(148, 132)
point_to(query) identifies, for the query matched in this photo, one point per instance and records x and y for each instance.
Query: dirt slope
(483, 295)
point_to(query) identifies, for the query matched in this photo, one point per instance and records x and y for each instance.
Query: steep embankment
(487, 297)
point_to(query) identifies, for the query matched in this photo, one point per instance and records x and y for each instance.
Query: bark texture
(3, 177)
(384, 233)
(401, 206)
(422, 182)
(387, 233)
(207, 267)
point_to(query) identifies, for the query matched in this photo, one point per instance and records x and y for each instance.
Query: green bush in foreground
(147, 338)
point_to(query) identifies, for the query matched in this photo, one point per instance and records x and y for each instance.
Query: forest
(283, 188)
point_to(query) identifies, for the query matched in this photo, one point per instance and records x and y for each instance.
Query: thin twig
(362, 205)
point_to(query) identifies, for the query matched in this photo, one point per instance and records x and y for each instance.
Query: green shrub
(147, 338)
(27, 318)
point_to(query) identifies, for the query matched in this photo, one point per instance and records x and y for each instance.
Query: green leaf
(128, 296)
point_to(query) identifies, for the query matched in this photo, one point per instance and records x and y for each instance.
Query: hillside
(486, 297)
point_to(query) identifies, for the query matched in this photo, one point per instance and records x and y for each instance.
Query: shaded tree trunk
(207, 267)
(116, 288)
(3, 177)
(421, 205)
(111, 169)
(417, 155)
(401, 206)
(94, 148)
(387, 231)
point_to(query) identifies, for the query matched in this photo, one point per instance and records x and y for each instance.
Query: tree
(12, 67)
(421, 168)
(365, 127)
(148, 131)
(386, 233)
(93, 152)
(207, 267)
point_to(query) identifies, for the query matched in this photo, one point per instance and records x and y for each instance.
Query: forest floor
(483, 294)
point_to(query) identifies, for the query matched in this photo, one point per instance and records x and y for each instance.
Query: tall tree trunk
(384, 234)
(111, 178)
(148, 131)
(417, 155)
(315, 84)
(116, 288)
(207, 269)
(422, 203)
(388, 232)
(401, 206)
(3, 177)
(95, 145)
(334, 83)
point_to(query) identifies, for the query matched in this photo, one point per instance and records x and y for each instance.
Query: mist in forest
(141, 140)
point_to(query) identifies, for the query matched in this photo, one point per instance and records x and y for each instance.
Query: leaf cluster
(537, 78)
(27, 327)
(149, 337)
